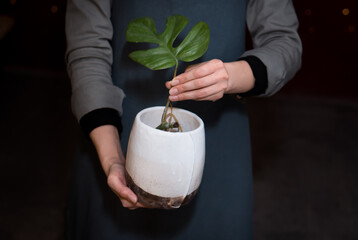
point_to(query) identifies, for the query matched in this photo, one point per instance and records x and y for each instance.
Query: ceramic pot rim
(193, 115)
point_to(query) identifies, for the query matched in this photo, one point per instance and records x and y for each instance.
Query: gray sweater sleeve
(89, 57)
(273, 26)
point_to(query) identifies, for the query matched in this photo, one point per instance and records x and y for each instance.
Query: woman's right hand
(117, 182)
(106, 141)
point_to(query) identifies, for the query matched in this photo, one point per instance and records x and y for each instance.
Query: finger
(168, 85)
(203, 70)
(200, 88)
(126, 194)
(134, 206)
(191, 67)
(219, 77)
(213, 97)
(139, 205)
(127, 200)
(127, 204)
(198, 94)
(142, 205)
(119, 187)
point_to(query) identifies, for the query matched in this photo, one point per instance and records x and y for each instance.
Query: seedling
(194, 45)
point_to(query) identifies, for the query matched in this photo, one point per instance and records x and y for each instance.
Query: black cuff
(260, 73)
(100, 117)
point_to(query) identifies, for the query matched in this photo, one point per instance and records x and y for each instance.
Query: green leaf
(142, 30)
(155, 58)
(175, 24)
(164, 56)
(195, 43)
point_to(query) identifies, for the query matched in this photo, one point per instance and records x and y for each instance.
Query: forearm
(106, 141)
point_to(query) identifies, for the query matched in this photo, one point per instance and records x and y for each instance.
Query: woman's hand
(117, 182)
(211, 80)
(106, 140)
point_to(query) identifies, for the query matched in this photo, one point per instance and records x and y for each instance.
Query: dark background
(304, 139)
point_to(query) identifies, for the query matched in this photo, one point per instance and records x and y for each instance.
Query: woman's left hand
(211, 80)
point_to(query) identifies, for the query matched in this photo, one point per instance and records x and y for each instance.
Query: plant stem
(164, 115)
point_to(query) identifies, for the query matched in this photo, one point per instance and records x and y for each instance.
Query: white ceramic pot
(164, 168)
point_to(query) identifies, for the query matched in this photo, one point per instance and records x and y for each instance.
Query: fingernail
(173, 98)
(174, 82)
(173, 91)
(168, 85)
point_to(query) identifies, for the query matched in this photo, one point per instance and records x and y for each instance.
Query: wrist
(106, 141)
(259, 71)
(100, 117)
(241, 78)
